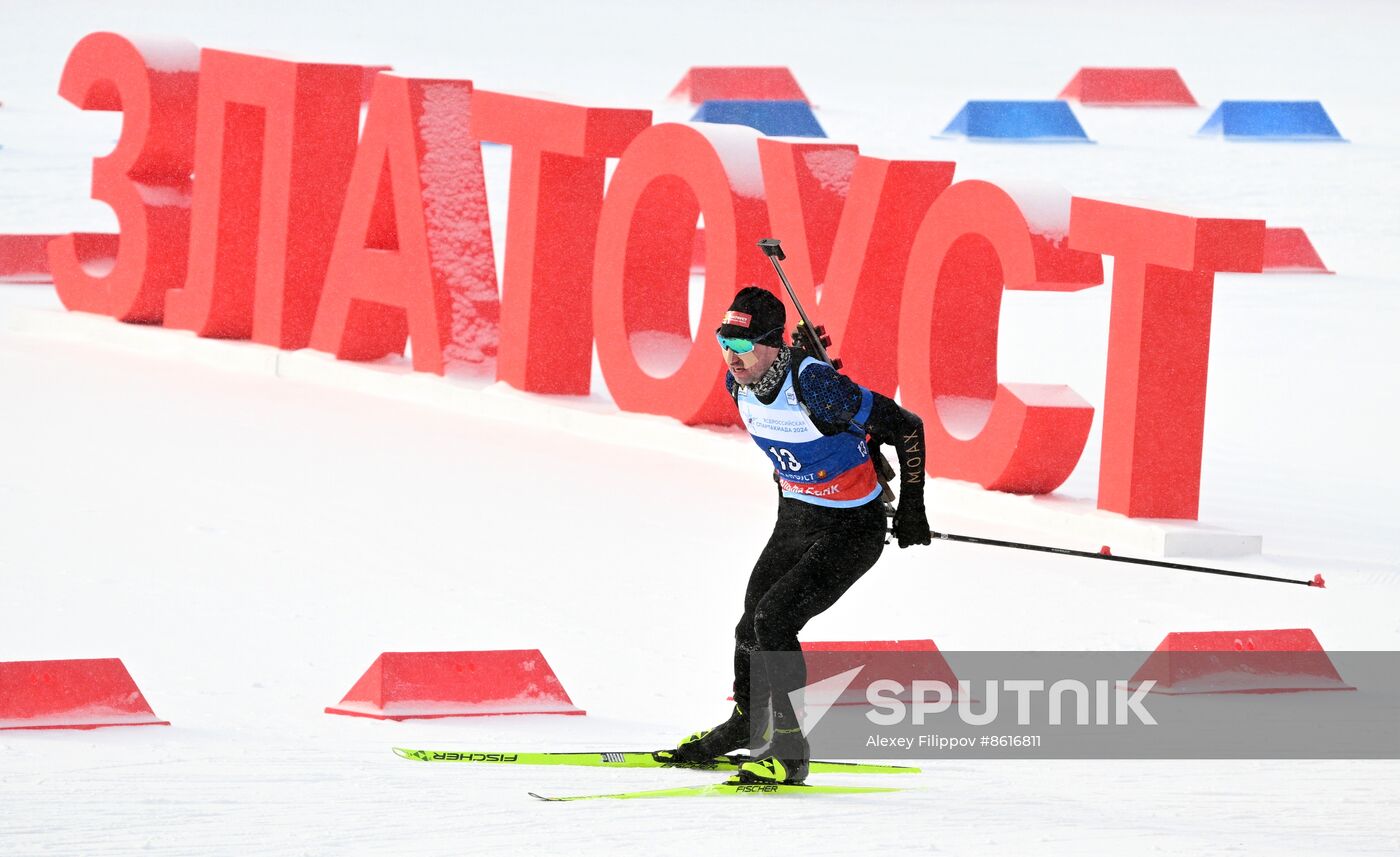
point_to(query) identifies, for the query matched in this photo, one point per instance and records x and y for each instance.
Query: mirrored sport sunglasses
(740, 346)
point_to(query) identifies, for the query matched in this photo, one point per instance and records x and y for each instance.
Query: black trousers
(814, 555)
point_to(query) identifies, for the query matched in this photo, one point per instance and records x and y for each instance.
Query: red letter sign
(558, 155)
(146, 178)
(413, 252)
(886, 202)
(276, 140)
(1023, 438)
(671, 174)
(1158, 347)
(807, 185)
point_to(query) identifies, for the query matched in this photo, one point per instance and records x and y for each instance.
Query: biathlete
(817, 428)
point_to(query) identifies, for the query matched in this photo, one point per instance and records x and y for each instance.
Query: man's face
(748, 368)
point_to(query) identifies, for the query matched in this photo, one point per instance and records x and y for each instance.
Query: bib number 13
(787, 462)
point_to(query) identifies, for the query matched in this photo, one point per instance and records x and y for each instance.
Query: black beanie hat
(756, 314)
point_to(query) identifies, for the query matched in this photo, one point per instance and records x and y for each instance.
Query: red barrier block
(1136, 87)
(738, 83)
(871, 646)
(274, 144)
(72, 694)
(1021, 438)
(146, 177)
(413, 253)
(922, 661)
(1287, 249)
(1158, 346)
(421, 685)
(1276, 661)
(25, 258)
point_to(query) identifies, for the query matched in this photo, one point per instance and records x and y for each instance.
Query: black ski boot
(705, 745)
(784, 762)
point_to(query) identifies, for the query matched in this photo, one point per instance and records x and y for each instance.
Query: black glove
(911, 521)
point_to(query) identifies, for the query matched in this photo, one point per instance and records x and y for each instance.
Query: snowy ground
(247, 545)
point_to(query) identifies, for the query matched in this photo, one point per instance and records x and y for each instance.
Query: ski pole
(773, 249)
(1103, 554)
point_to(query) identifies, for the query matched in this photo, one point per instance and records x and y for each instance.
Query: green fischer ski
(729, 789)
(631, 760)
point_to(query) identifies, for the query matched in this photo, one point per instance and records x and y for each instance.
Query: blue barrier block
(1030, 121)
(1272, 120)
(774, 118)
